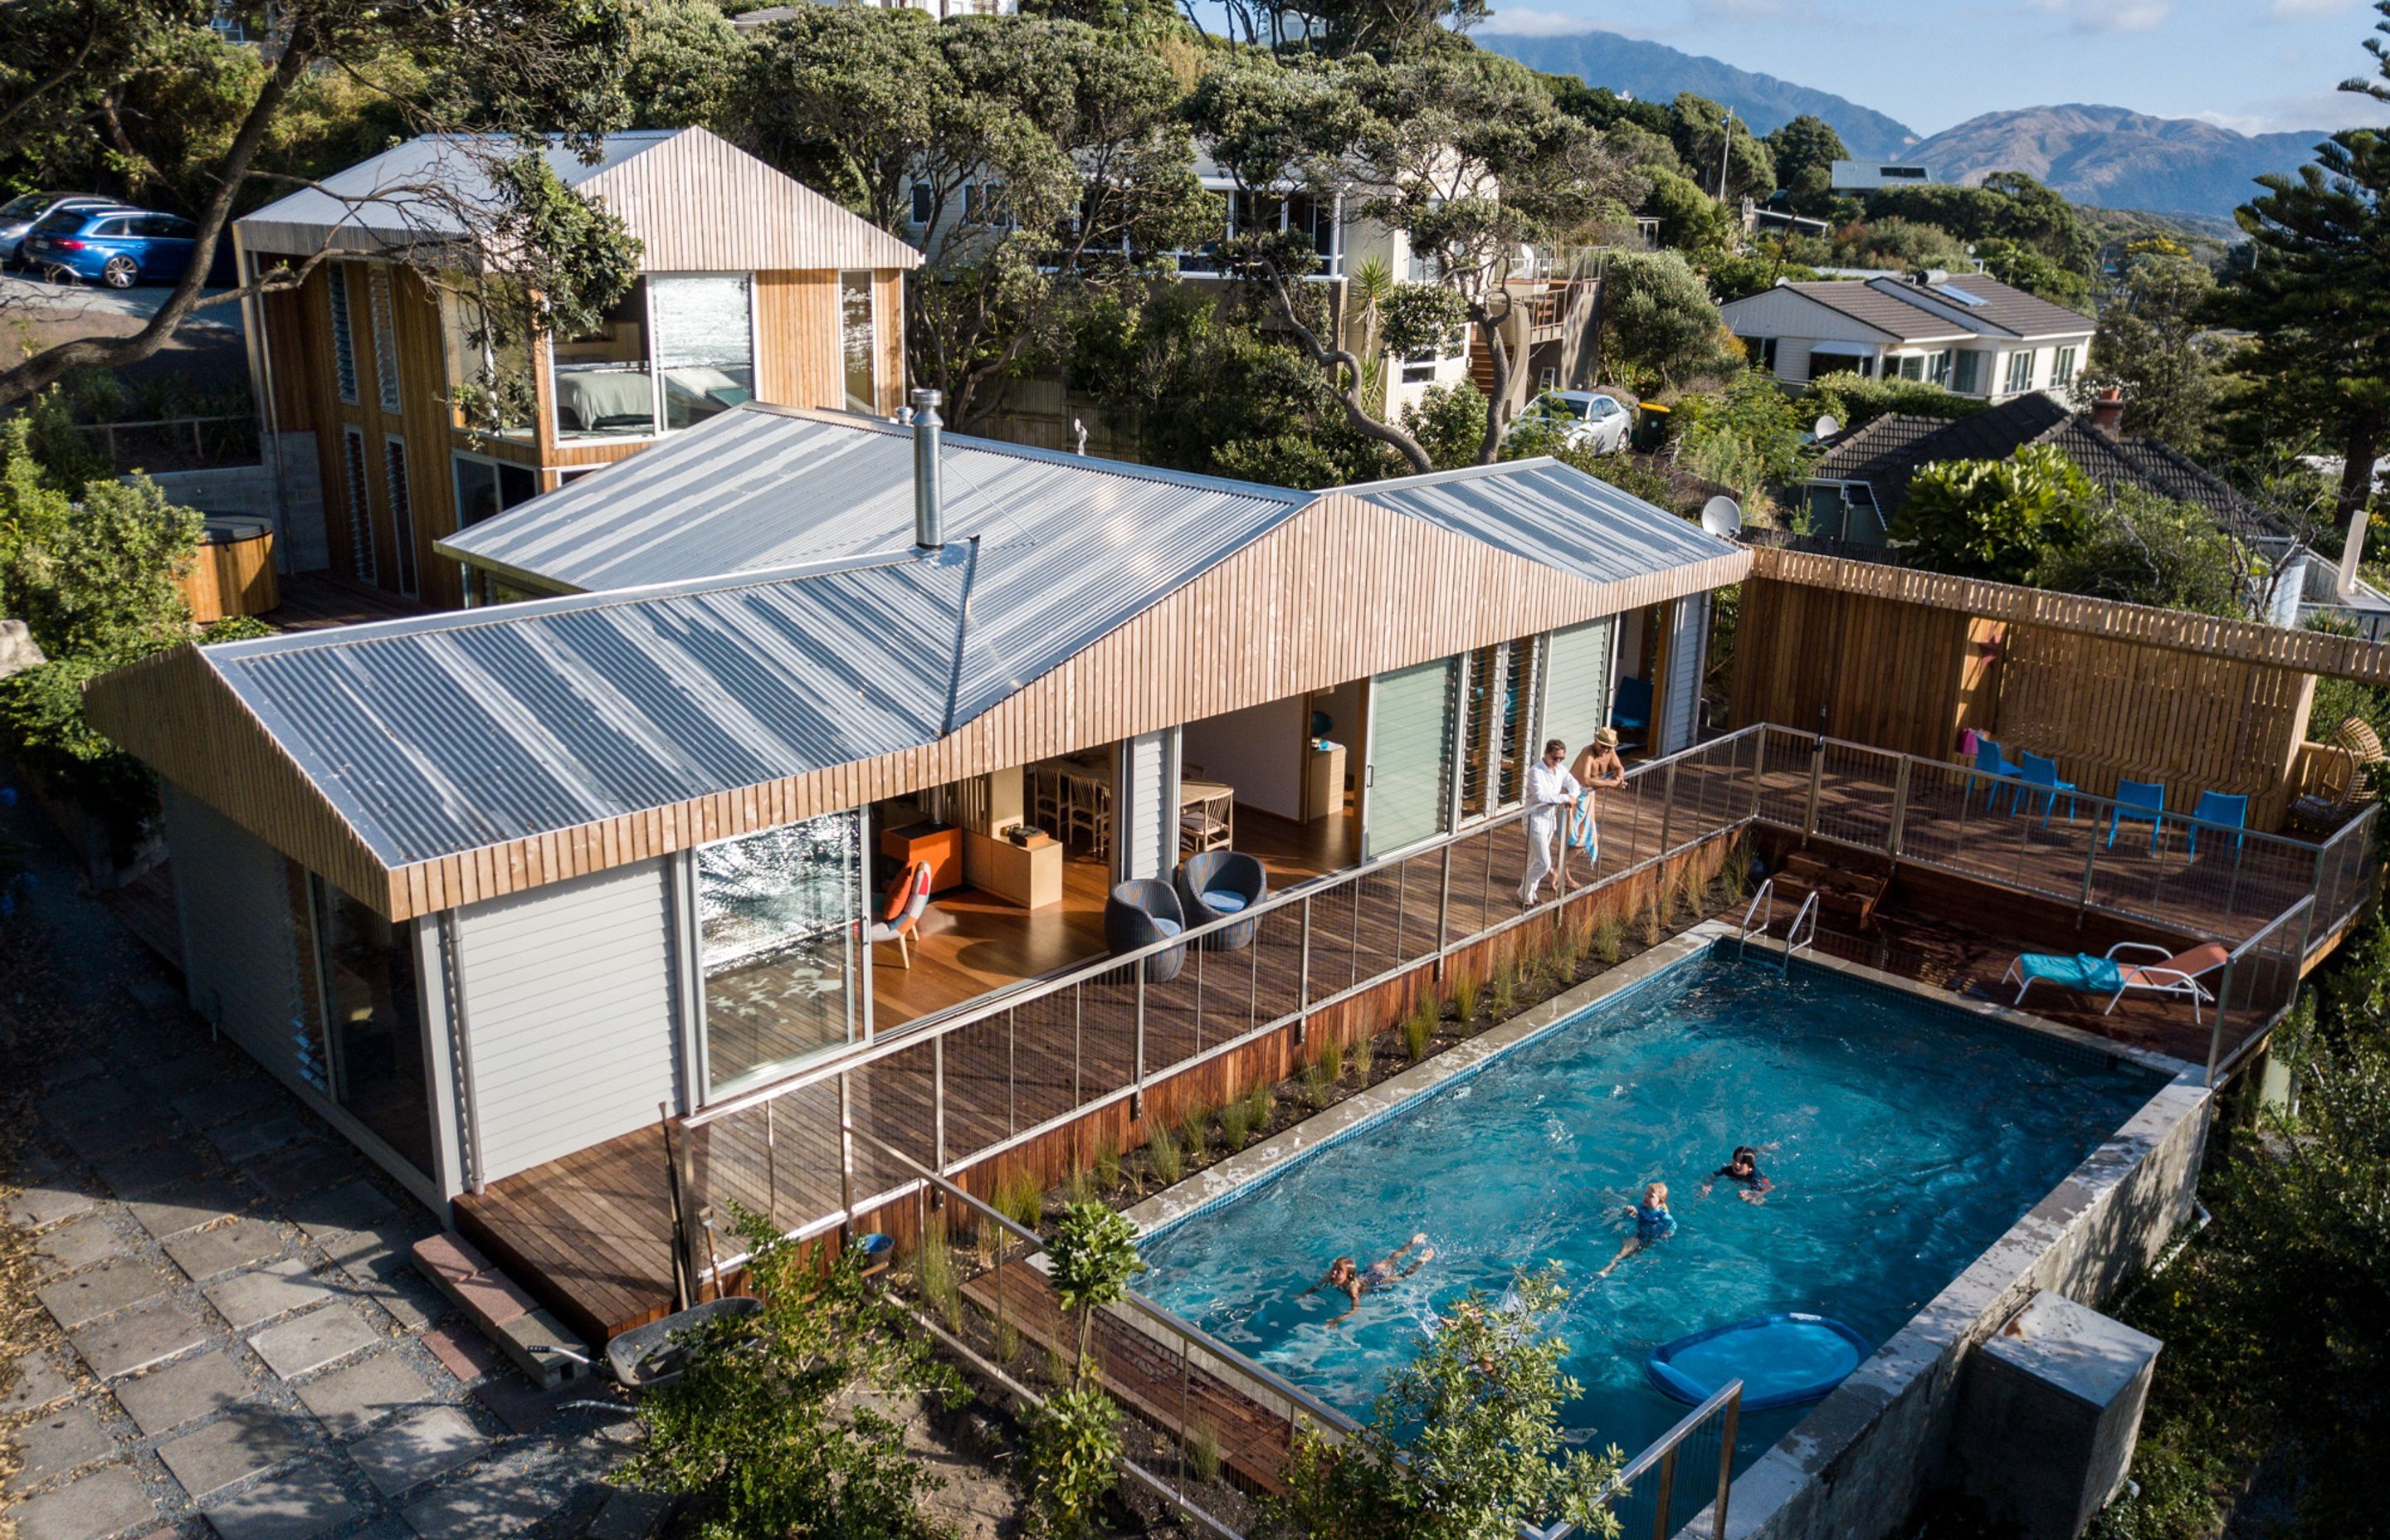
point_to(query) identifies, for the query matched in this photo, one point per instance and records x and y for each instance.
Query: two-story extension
(750, 287)
(1965, 333)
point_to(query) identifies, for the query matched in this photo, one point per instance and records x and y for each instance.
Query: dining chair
(1991, 762)
(2040, 775)
(2216, 807)
(2141, 801)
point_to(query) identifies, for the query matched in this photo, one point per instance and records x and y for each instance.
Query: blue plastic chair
(2040, 775)
(2216, 807)
(1991, 762)
(2142, 801)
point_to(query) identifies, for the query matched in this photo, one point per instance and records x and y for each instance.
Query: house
(1863, 476)
(1968, 333)
(1857, 176)
(756, 21)
(375, 380)
(489, 887)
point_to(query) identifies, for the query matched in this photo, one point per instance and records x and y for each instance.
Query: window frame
(344, 333)
(557, 434)
(2020, 370)
(365, 550)
(381, 308)
(398, 480)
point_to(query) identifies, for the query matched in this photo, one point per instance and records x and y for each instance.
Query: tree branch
(1348, 377)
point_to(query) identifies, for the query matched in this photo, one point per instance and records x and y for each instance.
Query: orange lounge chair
(2179, 973)
(900, 918)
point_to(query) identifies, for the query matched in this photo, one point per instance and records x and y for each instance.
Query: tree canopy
(2152, 346)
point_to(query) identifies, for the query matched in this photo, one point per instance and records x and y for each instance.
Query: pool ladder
(1793, 939)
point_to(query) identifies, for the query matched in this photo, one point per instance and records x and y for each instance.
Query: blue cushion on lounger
(2082, 972)
(1222, 900)
(1167, 926)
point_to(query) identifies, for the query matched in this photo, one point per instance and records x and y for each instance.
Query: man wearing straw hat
(1550, 790)
(1598, 768)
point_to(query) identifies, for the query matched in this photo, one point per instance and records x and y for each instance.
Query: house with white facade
(1968, 333)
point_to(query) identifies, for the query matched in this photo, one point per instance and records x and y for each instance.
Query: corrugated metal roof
(696, 203)
(1544, 511)
(442, 733)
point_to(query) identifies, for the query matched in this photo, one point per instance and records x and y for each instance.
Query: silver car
(21, 215)
(1589, 419)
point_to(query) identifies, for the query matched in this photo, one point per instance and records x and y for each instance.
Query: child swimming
(1654, 1224)
(1743, 1169)
(1344, 1276)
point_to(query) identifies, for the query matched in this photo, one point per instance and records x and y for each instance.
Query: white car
(1589, 419)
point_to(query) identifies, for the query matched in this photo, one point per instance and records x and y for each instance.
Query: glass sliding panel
(1478, 738)
(777, 916)
(1576, 682)
(858, 341)
(705, 344)
(1518, 721)
(603, 389)
(1411, 722)
(373, 1022)
(490, 389)
(477, 491)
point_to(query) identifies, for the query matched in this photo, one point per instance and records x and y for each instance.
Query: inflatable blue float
(1782, 1360)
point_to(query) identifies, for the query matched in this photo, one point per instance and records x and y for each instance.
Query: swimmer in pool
(1347, 1279)
(1742, 1170)
(1654, 1224)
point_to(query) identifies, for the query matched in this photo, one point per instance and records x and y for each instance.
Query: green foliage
(934, 1276)
(1261, 1105)
(2026, 267)
(1629, 473)
(1418, 1027)
(1365, 1058)
(1331, 1059)
(1609, 937)
(1464, 1442)
(2153, 346)
(1195, 1124)
(1702, 133)
(93, 568)
(1169, 1161)
(1502, 995)
(1660, 326)
(1891, 241)
(1203, 1454)
(1074, 1453)
(684, 62)
(2145, 549)
(1749, 436)
(1449, 421)
(1992, 518)
(762, 1428)
(1318, 1085)
(1235, 1124)
(1854, 400)
(1691, 222)
(1805, 149)
(1465, 990)
(1108, 1163)
(1020, 1199)
(2009, 206)
(42, 723)
(1093, 1255)
(1736, 276)
(235, 628)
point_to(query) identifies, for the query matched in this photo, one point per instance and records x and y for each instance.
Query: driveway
(229, 1337)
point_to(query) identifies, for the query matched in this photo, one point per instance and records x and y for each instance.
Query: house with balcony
(1965, 333)
(380, 380)
(496, 888)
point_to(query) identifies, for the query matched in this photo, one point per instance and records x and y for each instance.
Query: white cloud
(2319, 112)
(1523, 21)
(2107, 15)
(2304, 10)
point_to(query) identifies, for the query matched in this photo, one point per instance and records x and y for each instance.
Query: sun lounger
(2112, 975)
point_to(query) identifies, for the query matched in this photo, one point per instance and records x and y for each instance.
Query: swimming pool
(1908, 1136)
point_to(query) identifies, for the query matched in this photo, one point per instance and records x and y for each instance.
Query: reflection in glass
(489, 373)
(777, 915)
(705, 345)
(373, 1021)
(602, 385)
(856, 341)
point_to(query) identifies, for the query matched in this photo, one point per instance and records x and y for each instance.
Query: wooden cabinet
(939, 845)
(1028, 875)
(1323, 782)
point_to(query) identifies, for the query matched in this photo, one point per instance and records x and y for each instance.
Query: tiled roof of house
(1888, 313)
(1996, 305)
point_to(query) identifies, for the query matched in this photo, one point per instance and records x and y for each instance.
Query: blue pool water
(1906, 1137)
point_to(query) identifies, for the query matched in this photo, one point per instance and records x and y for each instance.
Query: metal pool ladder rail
(1793, 940)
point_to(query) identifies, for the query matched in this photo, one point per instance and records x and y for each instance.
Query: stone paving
(243, 1347)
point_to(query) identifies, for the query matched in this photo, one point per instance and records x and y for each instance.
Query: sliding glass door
(778, 917)
(1408, 795)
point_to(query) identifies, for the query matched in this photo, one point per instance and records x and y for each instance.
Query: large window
(604, 387)
(368, 976)
(1967, 373)
(858, 341)
(2020, 371)
(704, 344)
(489, 375)
(1412, 717)
(485, 488)
(2061, 368)
(779, 918)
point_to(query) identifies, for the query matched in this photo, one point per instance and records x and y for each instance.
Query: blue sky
(2254, 65)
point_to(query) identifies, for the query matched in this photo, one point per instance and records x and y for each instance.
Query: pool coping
(1790, 1489)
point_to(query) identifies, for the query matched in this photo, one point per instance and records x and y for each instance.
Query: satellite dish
(1825, 427)
(1722, 517)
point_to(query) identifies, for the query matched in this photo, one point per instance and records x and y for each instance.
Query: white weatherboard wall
(240, 950)
(1144, 782)
(1683, 656)
(571, 1013)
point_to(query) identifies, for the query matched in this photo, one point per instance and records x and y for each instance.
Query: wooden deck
(318, 601)
(587, 1234)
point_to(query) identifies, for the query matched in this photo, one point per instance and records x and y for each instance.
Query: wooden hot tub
(233, 572)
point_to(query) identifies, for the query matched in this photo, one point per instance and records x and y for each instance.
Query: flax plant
(1021, 1199)
(1464, 998)
(1261, 1105)
(1317, 1085)
(1195, 1126)
(1609, 937)
(1418, 1027)
(1364, 1057)
(1332, 1060)
(1107, 1163)
(1236, 1122)
(1169, 1161)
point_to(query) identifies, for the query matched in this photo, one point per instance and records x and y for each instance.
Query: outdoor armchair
(1217, 884)
(1140, 912)
(900, 916)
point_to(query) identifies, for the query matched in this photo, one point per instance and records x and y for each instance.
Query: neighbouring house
(1854, 177)
(756, 21)
(751, 287)
(1965, 333)
(490, 887)
(1862, 478)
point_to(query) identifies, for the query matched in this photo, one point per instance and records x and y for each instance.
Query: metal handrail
(982, 1007)
(1726, 1399)
(1792, 942)
(2219, 1064)
(1767, 894)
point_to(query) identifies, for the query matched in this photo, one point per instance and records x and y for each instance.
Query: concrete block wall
(298, 516)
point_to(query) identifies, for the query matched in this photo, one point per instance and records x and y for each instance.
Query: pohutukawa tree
(144, 95)
(1464, 154)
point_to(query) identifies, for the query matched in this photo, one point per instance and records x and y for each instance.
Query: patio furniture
(2336, 784)
(1630, 709)
(2040, 775)
(900, 916)
(2177, 973)
(2143, 801)
(1141, 911)
(1207, 817)
(1991, 762)
(1087, 804)
(1217, 883)
(2220, 808)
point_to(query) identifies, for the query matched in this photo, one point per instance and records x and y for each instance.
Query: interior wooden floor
(972, 944)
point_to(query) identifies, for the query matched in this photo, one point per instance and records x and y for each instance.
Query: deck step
(537, 1341)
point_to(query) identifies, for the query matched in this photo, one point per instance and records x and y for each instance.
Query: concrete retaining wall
(298, 519)
(1857, 1466)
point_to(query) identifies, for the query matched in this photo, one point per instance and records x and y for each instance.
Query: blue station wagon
(120, 246)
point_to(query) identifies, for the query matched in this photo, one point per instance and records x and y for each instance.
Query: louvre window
(402, 515)
(1411, 720)
(344, 339)
(385, 336)
(1576, 682)
(361, 541)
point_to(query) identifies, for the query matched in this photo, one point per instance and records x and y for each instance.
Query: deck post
(1726, 1431)
(1444, 907)
(1816, 784)
(938, 1102)
(1758, 768)
(2215, 1034)
(1011, 1072)
(1137, 1087)
(845, 1165)
(1899, 811)
(1402, 904)
(1353, 943)
(771, 1166)
(1666, 1493)
(1302, 984)
(1667, 806)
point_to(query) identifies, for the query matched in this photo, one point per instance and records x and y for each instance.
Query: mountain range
(2103, 155)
